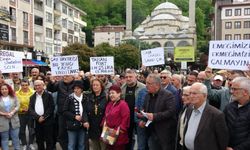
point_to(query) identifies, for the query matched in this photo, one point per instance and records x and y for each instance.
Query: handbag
(73, 125)
(109, 135)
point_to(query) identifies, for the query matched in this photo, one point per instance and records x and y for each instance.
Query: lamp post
(25, 51)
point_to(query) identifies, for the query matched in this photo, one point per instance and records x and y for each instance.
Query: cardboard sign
(233, 55)
(11, 64)
(102, 65)
(64, 65)
(184, 54)
(152, 57)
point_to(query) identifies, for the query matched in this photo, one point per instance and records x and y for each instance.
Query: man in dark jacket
(64, 89)
(237, 115)
(205, 128)
(41, 109)
(160, 108)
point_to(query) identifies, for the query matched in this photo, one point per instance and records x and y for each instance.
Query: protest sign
(11, 64)
(152, 57)
(184, 54)
(64, 65)
(10, 61)
(233, 55)
(102, 65)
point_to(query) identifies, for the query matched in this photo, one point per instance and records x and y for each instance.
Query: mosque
(167, 27)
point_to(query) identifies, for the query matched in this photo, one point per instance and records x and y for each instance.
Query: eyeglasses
(185, 95)
(195, 93)
(163, 77)
(201, 79)
(236, 89)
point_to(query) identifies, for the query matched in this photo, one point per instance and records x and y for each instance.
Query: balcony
(57, 27)
(57, 12)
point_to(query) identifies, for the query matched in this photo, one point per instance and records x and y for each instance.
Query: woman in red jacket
(117, 115)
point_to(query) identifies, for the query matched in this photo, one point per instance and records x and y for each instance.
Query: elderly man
(206, 128)
(159, 107)
(222, 96)
(34, 76)
(41, 108)
(105, 80)
(237, 115)
(130, 92)
(166, 77)
(14, 81)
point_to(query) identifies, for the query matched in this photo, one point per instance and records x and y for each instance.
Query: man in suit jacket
(41, 109)
(206, 127)
(160, 108)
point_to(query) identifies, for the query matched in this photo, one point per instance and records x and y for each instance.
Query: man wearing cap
(217, 82)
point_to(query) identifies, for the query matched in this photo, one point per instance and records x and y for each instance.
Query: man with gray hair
(159, 106)
(237, 115)
(166, 77)
(206, 127)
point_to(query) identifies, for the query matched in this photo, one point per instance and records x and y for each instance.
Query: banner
(152, 57)
(64, 65)
(184, 54)
(233, 55)
(102, 65)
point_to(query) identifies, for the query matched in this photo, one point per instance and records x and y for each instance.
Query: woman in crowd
(9, 122)
(117, 115)
(23, 95)
(95, 109)
(73, 112)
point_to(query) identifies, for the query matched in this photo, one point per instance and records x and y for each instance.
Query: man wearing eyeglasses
(14, 81)
(237, 115)
(166, 77)
(222, 96)
(206, 126)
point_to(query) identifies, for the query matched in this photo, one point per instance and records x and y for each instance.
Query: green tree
(83, 52)
(104, 49)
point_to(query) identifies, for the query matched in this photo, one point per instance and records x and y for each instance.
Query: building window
(228, 12)
(76, 14)
(25, 37)
(70, 39)
(64, 9)
(48, 33)
(237, 24)
(228, 25)
(246, 36)
(25, 19)
(237, 12)
(13, 34)
(13, 14)
(64, 37)
(70, 12)
(76, 27)
(48, 17)
(82, 40)
(71, 25)
(38, 6)
(27, 1)
(75, 39)
(228, 37)
(49, 3)
(237, 37)
(38, 20)
(49, 48)
(246, 24)
(247, 11)
(64, 23)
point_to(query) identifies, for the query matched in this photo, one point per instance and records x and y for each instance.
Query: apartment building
(16, 25)
(57, 24)
(231, 20)
(40, 26)
(112, 34)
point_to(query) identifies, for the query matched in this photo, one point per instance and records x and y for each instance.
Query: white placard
(152, 57)
(64, 65)
(8, 53)
(184, 65)
(102, 65)
(11, 64)
(233, 55)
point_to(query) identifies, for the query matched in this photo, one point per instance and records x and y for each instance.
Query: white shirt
(193, 125)
(39, 108)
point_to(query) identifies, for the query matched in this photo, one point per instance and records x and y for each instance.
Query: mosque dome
(166, 5)
(164, 17)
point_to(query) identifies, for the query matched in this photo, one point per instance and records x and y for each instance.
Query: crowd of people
(158, 110)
